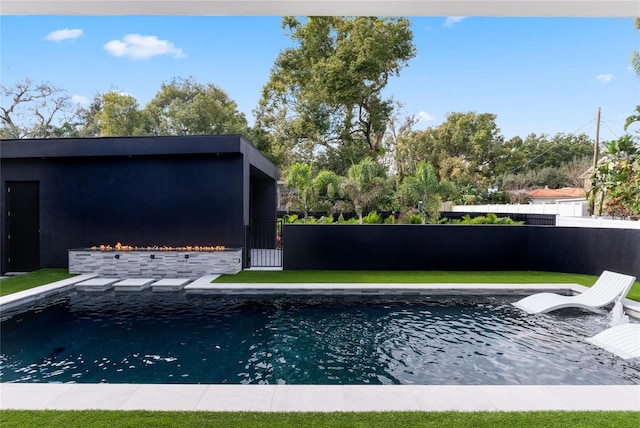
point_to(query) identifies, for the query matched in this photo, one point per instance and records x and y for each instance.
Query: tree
(87, 125)
(327, 188)
(635, 117)
(465, 147)
(119, 115)
(397, 126)
(536, 152)
(635, 63)
(635, 56)
(325, 93)
(365, 185)
(300, 178)
(616, 180)
(312, 192)
(185, 107)
(32, 110)
(423, 189)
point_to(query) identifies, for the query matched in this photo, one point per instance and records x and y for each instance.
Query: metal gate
(264, 244)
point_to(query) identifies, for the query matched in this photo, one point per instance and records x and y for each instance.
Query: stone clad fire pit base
(155, 264)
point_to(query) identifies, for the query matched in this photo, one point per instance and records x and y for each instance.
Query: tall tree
(30, 110)
(325, 93)
(119, 115)
(185, 107)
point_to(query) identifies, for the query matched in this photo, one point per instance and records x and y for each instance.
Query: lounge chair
(622, 340)
(609, 287)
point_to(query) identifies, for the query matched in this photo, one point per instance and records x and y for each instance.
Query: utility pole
(596, 152)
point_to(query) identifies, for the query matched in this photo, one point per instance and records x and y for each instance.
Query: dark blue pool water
(178, 338)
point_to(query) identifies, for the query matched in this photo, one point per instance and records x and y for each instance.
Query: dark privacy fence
(461, 247)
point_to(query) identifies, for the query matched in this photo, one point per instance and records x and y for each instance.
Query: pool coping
(303, 398)
(319, 398)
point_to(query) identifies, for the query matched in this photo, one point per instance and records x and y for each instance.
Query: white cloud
(453, 20)
(604, 78)
(79, 99)
(137, 46)
(66, 34)
(423, 116)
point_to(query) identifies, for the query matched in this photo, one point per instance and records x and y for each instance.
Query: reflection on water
(178, 338)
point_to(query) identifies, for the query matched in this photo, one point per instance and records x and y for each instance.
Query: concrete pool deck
(322, 398)
(279, 398)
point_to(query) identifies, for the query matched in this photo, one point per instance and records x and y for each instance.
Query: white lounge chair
(623, 340)
(609, 287)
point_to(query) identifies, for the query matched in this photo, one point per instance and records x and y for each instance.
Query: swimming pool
(179, 338)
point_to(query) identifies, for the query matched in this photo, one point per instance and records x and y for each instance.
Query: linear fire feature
(158, 263)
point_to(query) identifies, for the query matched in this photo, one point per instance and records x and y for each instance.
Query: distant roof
(565, 192)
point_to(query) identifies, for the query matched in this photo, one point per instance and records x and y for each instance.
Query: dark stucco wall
(584, 250)
(461, 247)
(138, 201)
(403, 247)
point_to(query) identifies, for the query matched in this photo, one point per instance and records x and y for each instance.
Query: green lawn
(342, 276)
(295, 420)
(32, 279)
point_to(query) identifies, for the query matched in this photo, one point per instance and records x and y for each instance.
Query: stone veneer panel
(155, 264)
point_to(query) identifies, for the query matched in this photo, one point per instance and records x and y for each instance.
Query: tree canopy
(185, 107)
(325, 93)
(33, 110)
(464, 147)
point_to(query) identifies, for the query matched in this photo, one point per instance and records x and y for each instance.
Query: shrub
(413, 219)
(326, 219)
(290, 218)
(341, 220)
(372, 218)
(490, 218)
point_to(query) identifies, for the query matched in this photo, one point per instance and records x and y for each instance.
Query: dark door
(23, 226)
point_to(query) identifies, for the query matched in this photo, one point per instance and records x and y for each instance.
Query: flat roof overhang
(121, 146)
(533, 8)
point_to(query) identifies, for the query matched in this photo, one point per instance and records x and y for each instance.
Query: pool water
(178, 338)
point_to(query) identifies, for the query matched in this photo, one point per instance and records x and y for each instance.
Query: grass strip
(32, 279)
(124, 419)
(431, 276)
(424, 277)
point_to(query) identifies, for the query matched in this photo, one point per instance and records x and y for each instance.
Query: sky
(538, 75)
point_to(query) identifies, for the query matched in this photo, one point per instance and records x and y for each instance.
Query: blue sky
(539, 75)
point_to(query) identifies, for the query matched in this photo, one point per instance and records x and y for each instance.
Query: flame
(120, 247)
